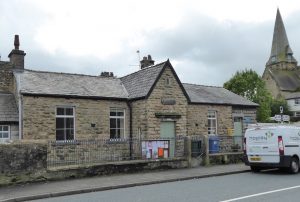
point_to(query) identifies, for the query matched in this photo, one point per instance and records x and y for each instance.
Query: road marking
(262, 193)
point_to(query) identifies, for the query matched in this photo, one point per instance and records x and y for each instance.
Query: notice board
(155, 149)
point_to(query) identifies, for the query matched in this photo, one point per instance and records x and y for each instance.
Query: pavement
(41, 190)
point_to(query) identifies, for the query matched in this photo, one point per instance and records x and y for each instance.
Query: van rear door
(262, 145)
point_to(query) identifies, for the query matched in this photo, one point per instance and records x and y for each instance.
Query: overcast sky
(206, 41)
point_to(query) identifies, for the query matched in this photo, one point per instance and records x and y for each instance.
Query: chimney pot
(17, 42)
(146, 61)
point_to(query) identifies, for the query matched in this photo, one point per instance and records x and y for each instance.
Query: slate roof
(133, 86)
(287, 80)
(62, 84)
(138, 84)
(292, 95)
(8, 108)
(215, 95)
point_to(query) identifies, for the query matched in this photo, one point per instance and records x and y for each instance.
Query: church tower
(281, 75)
(281, 57)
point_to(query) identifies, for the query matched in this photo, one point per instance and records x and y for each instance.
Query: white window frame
(296, 114)
(297, 101)
(1, 132)
(116, 109)
(212, 130)
(66, 116)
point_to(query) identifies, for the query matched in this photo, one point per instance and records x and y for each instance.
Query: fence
(198, 146)
(88, 152)
(82, 152)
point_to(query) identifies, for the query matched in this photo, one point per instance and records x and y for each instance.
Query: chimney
(147, 61)
(107, 74)
(16, 56)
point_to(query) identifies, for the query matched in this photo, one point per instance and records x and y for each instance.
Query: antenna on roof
(139, 58)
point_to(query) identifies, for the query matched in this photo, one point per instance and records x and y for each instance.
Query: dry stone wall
(22, 157)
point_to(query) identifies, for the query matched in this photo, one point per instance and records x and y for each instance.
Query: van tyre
(294, 166)
(255, 169)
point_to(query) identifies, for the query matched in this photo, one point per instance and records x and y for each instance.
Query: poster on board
(155, 149)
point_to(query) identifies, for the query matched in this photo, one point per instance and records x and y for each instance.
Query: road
(265, 186)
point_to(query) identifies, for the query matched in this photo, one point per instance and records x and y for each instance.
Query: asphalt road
(265, 186)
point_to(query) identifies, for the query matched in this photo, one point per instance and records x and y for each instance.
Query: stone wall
(248, 115)
(23, 162)
(197, 122)
(271, 84)
(6, 79)
(22, 157)
(39, 119)
(139, 119)
(167, 87)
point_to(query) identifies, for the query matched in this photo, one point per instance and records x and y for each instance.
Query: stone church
(149, 103)
(282, 74)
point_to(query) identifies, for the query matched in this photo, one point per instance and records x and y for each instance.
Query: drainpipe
(20, 118)
(20, 107)
(130, 129)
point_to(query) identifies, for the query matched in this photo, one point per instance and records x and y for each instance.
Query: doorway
(238, 130)
(167, 131)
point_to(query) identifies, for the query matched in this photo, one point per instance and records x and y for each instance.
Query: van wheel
(255, 169)
(294, 166)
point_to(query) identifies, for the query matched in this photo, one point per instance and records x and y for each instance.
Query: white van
(272, 146)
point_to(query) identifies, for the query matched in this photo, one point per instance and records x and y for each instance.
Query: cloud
(208, 51)
(203, 49)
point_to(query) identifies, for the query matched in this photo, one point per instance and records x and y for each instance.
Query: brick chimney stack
(147, 61)
(16, 56)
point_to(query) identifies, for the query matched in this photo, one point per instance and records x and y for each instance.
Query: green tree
(250, 85)
(275, 107)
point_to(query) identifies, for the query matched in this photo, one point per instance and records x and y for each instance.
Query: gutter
(73, 96)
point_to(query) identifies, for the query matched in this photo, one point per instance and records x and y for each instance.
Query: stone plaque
(168, 101)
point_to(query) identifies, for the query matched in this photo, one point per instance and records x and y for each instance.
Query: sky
(205, 41)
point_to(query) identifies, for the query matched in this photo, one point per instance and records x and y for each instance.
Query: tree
(275, 107)
(250, 85)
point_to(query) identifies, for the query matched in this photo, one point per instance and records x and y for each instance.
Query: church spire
(281, 50)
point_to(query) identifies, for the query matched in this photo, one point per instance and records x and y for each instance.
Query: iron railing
(83, 152)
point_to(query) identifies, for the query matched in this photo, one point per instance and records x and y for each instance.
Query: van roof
(272, 126)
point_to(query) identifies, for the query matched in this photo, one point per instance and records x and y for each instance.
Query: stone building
(149, 103)
(282, 74)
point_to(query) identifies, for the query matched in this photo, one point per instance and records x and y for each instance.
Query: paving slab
(99, 183)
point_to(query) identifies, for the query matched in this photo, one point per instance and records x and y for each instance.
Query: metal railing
(198, 146)
(86, 152)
